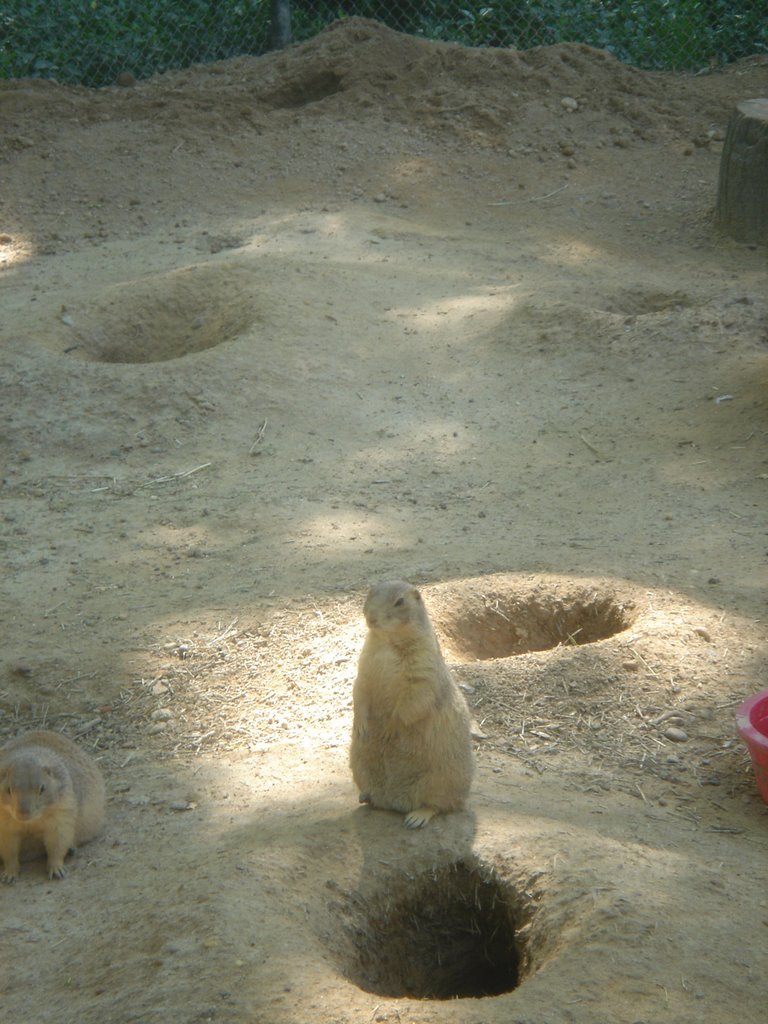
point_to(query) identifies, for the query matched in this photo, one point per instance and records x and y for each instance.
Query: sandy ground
(381, 308)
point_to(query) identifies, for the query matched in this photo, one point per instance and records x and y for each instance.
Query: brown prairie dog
(51, 798)
(411, 745)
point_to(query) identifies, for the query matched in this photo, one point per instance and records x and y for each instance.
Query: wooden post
(742, 195)
(280, 13)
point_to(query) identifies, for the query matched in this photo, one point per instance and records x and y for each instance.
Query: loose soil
(377, 307)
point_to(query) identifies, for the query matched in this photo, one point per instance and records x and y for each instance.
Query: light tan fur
(411, 746)
(51, 799)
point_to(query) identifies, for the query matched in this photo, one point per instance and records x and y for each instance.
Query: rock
(678, 735)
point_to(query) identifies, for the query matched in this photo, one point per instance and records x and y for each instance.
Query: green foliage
(91, 41)
(685, 34)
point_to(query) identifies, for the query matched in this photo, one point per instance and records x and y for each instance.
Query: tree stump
(742, 195)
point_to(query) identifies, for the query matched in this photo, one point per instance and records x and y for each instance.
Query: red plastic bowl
(752, 723)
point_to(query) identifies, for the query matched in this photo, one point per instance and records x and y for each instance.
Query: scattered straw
(180, 476)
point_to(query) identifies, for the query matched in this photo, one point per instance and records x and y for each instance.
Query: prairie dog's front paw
(419, 817)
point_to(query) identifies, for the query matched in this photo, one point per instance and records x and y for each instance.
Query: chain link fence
(91, 42)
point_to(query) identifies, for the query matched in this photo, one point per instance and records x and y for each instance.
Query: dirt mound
(357, 65)
(358, 68)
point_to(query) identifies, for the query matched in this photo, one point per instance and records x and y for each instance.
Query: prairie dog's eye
(399, 602)
(42, 787)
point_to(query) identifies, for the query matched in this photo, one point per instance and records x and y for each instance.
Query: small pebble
(703, 633)
(678, 735)
(569, 103)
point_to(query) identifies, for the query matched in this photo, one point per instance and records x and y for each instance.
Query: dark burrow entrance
(502, 623)
(450, 933)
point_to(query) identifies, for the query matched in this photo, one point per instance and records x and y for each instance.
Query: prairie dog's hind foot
(419, 817)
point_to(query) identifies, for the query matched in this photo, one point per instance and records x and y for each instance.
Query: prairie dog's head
(390, 606)
(27, 786)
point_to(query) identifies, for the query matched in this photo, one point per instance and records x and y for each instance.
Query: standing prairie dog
(411, 745)
(51, 798)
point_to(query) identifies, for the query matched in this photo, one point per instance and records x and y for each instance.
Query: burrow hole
(305, 88)
(450, 933)
(165, 317)
(501, 625)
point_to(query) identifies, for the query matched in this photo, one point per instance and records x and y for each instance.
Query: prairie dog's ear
(416, 594)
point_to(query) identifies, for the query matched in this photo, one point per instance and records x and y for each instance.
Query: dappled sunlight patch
(436, 440)
(639, 681)
(243, 681)
(15, 249)
(350, 236)
(573, 251)
(447, 312)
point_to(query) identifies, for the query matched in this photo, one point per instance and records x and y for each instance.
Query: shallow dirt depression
(502, 618)
(164, 317)
(448, 933)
